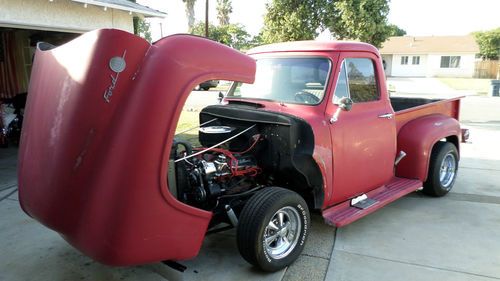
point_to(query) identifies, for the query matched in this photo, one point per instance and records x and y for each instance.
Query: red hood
(99, 121)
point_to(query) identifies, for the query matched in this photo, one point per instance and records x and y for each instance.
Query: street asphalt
(415, 238)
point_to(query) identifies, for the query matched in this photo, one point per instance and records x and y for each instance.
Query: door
(364, 138)
(387, 64)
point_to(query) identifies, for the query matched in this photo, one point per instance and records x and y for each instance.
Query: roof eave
(128, 9)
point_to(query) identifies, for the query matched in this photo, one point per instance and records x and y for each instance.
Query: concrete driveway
(431, 87)
(414, 238)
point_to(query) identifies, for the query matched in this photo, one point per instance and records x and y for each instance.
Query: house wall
(465, 69)
(61, 15)
(430, 66)
(409, 70)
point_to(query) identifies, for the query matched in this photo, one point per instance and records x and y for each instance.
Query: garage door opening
(17, 49)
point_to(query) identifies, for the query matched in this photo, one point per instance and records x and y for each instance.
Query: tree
(233, 35)
(190, 13)
(364, 20)
(489, 43)
(256, 41)
(292, 20)
(145, 30)
(142, 28)
(224, 9)
(394, 30)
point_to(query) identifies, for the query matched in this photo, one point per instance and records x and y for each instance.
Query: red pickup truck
(308, 126)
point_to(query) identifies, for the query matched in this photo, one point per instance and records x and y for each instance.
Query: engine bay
(240, 151)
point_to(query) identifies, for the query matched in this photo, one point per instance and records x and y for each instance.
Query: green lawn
(480, 86)
(188, 120)
(221, 88)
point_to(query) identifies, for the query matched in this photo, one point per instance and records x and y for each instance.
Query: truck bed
(407, 109)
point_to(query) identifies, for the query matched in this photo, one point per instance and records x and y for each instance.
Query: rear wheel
(272, 228)
(442, 169)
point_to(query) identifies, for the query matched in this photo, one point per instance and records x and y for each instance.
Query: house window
(404, 60)
(415, 60)
(450, 61)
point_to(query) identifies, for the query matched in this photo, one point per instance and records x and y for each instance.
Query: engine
(204, 177)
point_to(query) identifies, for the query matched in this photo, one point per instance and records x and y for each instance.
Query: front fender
(417, 138)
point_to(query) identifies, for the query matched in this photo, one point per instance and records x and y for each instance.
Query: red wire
(233, 162)
(257, 138)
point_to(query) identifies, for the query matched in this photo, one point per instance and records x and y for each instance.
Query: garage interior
(17, 49)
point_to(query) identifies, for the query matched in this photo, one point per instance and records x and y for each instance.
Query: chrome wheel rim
(282, 233)
(447, 170)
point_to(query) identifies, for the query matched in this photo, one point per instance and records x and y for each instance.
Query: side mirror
(221, 97)
(345, 103)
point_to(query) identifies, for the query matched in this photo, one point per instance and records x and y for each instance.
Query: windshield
(288, 80)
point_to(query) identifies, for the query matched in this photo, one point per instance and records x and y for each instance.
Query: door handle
(387, 116)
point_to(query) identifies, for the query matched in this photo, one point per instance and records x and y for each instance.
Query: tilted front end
(98, 127)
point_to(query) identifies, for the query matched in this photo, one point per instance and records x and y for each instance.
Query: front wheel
(273, 228)
(442, 169)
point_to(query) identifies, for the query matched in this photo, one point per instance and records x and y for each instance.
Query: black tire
(206, 88)
(436, 185)
(255, 222)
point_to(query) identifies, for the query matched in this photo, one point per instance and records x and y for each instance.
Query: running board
(343, 213)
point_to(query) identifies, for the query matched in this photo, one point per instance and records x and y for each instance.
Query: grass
(480, 86)
(221, 88)
(188, 120)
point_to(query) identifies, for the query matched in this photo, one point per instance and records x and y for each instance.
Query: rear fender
(417, 138)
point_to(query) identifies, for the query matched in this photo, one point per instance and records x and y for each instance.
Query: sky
(418, 18)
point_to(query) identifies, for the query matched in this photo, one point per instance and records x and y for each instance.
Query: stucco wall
(430, 66)
(61, 15)
(409, 70)
(465, 69)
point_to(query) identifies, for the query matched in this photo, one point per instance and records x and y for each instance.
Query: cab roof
(314, 46)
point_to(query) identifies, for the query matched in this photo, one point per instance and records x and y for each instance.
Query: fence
(487, 69)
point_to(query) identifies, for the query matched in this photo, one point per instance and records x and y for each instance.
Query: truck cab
(355, 144)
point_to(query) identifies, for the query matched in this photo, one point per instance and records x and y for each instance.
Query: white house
(431, 56)
(23, 23)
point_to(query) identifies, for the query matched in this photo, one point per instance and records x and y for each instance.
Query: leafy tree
(292, 20)
(142, 28)
(224, 9)
(256, 41)
(489, 43)
(190, 12)
(233, 35)
(394, 30)
(364, 20)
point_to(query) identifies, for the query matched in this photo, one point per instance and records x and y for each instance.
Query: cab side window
(362, 81)
(357, 80)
